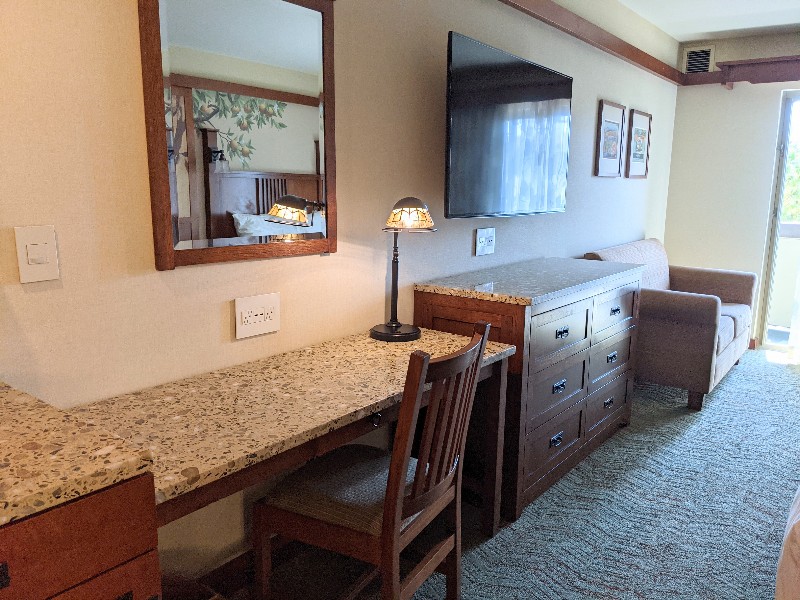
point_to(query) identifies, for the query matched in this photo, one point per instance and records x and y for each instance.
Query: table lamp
(412, 215)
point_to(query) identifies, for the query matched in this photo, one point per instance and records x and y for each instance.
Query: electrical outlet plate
(484, 241)
(257, 314)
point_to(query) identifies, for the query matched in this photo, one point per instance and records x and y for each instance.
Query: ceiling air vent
(698, 59)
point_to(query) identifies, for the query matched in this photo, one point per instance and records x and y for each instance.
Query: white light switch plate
(484, 241)
(257, 314)
(37, 253)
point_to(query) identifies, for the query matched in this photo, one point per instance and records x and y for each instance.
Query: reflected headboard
(252, 192)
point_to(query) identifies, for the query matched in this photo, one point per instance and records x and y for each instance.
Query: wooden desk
(218, 433)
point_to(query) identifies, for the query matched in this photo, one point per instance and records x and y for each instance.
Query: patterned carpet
(677, 505)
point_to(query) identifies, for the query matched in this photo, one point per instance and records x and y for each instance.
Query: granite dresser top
(531, 282)
(48, 457)
(205, 427)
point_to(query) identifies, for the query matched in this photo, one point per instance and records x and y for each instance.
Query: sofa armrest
(683, 307)
(737, 287)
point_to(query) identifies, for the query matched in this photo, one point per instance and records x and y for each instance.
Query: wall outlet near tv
(484, 241)
(257, 314)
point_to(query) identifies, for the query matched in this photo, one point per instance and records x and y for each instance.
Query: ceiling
(690, 20)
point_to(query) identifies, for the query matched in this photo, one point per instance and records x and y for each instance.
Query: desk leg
(493, 442)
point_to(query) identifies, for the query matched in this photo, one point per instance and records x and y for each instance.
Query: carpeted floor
(677, 505)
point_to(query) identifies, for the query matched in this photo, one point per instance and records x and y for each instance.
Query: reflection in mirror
(244, 115)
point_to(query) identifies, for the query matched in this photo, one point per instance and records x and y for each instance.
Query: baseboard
(753, 343)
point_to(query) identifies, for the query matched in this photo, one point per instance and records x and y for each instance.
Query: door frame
(787, 99)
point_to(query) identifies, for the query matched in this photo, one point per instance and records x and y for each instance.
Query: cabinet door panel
(560, 328)
(139, 579)
(609, 359)
(559, 386)
(606, 402)
(49, 552)
(553, 441)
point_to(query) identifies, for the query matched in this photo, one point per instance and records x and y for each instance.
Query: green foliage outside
(790, 212)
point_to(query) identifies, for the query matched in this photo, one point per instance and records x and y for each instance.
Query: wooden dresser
(569, 384)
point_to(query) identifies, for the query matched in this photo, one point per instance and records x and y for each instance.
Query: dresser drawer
(553, 441)
(562, 384)
(557, 329)
(609, 358)
(139, 579)
(612, 311)
(606, 402)
(50, 552)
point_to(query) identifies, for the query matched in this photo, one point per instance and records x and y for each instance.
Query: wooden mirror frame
(167, 257)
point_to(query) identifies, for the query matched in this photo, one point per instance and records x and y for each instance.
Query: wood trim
(702, 78)
(156, 129)
(753, 70)
(564, 20)
(229, 87)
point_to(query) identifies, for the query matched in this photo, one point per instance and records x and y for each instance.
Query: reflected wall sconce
(411, 215)
(293, 210)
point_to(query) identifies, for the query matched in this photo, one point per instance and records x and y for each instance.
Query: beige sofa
(694, 324)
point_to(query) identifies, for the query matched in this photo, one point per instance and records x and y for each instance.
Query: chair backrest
(453, 380)
(649, 252)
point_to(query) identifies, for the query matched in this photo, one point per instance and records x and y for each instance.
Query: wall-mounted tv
(508, 124)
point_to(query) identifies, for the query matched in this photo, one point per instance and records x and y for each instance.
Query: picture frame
(609, 143)
(637, 164)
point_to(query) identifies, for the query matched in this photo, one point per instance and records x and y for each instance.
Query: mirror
(240, 128)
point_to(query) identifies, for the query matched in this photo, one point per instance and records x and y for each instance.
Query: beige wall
(722, 176)
(113, 324)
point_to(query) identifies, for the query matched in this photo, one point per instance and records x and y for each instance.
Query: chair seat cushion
(345, 487)
(724, 333)
(740, 313)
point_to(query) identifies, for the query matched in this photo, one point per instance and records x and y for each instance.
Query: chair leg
(452, 566)
(262, 555)
(695, 400)
(390, 576)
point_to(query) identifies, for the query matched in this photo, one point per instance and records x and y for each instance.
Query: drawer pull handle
(559, 386)
(126, 596)
(562, 332)
(557, 440)
(5, 577)
(615, 310)
(608, 403)
(612, 358)
(376, 419)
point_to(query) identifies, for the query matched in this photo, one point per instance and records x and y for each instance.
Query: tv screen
(508, 123)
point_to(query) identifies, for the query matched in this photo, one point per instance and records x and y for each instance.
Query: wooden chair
(369, 504)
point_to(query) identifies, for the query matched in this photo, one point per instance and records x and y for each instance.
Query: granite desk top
(48, 457)
(531, 282)
(203, 428)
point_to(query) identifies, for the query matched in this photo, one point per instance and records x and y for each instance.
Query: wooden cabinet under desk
(573, 322)
(96, 547)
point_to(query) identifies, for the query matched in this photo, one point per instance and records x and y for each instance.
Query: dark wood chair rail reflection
(345, 501)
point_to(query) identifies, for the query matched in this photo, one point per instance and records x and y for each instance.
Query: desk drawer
(609, 359)
(50, 552)
(553, 441)
(555, 330)
(612, 308)
(606, 402)
(562, 384)
(139, 579)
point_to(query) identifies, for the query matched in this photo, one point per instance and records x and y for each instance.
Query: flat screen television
(508, 124)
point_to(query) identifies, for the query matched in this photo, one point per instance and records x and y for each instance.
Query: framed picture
(609, 143)
(638, 161)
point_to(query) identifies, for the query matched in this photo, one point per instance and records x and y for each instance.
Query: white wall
(722, 178)
(113, 324)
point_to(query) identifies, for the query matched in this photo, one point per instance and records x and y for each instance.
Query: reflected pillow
(248, 225)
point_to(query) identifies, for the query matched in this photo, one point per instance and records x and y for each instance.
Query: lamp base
(395, 333)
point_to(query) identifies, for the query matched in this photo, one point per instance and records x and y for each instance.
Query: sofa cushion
(724, 333)
(741, 315)
(648, 252)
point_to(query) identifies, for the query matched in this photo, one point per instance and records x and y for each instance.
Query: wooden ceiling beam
(567, 21)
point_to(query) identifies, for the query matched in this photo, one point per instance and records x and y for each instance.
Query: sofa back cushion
(648, 252)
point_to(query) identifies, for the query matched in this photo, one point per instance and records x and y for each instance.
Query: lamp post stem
(395, 263)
